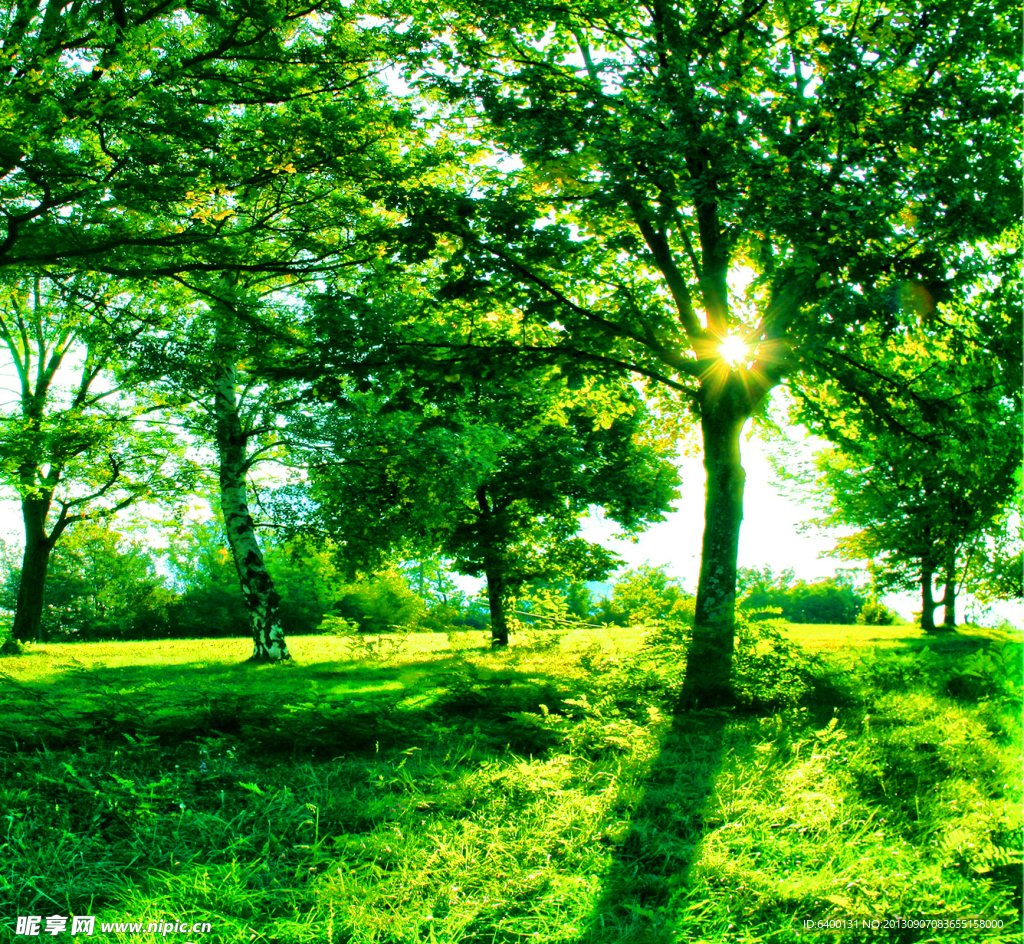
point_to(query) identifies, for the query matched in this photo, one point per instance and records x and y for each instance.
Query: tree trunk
(949, 597)
(493, 569)
(261, 599)
(28, 616)
(928, 603)
(708, 680)
(496, 602)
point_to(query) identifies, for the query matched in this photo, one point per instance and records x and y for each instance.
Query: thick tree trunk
(261, 599)
(35, 562)
(709, 662)
(496, 602)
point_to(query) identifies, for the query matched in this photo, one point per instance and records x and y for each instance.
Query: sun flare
(733, 349)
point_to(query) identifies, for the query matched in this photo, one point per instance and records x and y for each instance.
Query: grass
(437, 792)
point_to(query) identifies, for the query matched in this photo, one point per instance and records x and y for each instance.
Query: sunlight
(734, 349)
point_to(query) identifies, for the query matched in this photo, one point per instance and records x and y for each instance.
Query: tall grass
(450, 794)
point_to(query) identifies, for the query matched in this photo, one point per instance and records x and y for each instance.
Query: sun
(733, 349)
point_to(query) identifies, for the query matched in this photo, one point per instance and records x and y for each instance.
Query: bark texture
(709, 663)
(261, 599)
(496, 603)
(493, 572)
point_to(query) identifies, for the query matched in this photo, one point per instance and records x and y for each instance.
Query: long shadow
(649, 892)
(319, 709)
(653, 864)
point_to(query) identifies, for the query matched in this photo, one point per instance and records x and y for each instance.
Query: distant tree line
(108, 584)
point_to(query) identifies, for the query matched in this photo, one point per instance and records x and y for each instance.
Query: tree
(494, 473)
(101, 584)
(645, 594)
(832, 600)
(927, 482)
(170, 140)
(208, 598)
(641, 154)
(273, 240)
(79, 445)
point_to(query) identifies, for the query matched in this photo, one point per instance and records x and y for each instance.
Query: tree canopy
(927, 477)
(631, 161)
(495, 474)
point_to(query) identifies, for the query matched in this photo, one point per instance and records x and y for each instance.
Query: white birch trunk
(261, 599)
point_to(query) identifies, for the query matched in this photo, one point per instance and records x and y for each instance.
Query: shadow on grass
(646, 893)
(445, 811)
(317, 710)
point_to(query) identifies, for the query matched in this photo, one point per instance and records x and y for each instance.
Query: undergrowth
(525, 796)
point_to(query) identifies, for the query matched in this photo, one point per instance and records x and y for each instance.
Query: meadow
(427, 789)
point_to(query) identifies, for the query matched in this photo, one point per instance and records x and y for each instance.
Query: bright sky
(768, 535)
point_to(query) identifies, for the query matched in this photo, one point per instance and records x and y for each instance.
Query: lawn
(430, 790)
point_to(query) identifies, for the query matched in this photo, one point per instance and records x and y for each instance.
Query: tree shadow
(653, 863)
(319, 709)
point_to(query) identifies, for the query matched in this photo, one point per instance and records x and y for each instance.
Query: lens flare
(734, 350)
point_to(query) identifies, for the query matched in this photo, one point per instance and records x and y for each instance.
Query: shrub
(380, 603)
(770, 670)
(876, 613)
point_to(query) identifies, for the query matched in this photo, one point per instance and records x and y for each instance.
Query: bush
(770, 671)
(876, 613)
(380, 604)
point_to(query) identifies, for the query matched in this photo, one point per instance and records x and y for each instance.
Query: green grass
(437, 792)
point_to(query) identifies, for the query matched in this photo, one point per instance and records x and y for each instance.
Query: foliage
(624, 164)
(208, 601)
(494, 472)
(563, 600)
(379, 603)
(876, 613)
(77, 441)
(927, 484)
(102, 584)
(105, 584)
(832, 600)
(643, 595)
(135, 133)
(770, 670)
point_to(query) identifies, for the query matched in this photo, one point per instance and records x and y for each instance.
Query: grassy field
(429, 790)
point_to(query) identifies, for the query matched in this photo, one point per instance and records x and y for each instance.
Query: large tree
(643, 155)
(79, 443)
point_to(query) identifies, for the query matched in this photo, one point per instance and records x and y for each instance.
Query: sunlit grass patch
(544, 794)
